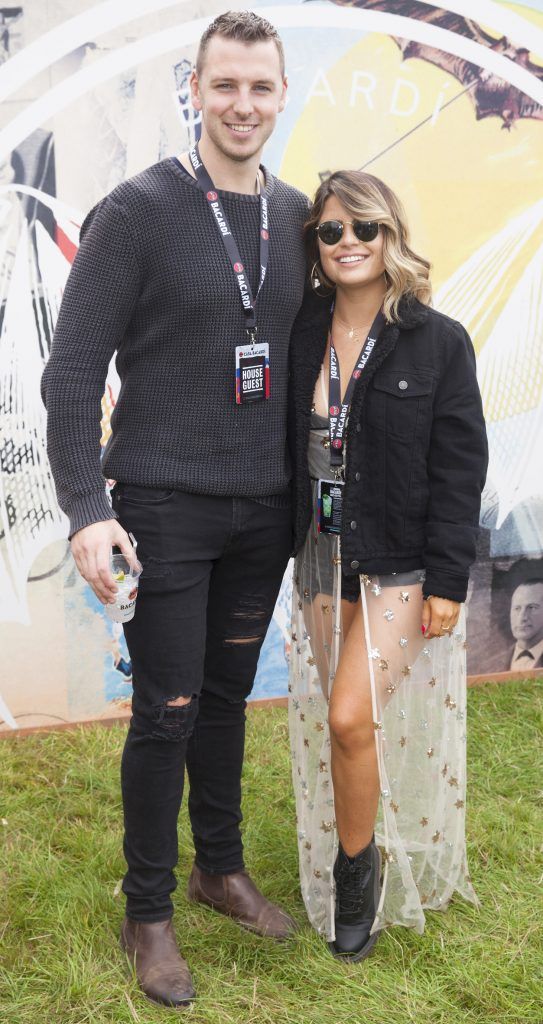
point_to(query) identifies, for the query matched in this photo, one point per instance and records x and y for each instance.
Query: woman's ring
(446, 629)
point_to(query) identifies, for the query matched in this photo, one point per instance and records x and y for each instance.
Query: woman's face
(351, 263)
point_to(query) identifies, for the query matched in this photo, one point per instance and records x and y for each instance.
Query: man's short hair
(246, 27)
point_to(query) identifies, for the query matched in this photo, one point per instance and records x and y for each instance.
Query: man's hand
(91, 548)
(439, 617)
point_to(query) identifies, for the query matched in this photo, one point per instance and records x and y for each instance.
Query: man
(193, 271)
(526, 616)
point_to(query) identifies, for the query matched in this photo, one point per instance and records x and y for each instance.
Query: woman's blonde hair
(368, 198)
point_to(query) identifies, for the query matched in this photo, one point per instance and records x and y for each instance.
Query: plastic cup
(126, 577)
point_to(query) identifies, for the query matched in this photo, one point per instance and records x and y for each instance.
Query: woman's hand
(439, 617)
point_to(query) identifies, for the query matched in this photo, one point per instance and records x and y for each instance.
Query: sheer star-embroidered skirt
(418, 691)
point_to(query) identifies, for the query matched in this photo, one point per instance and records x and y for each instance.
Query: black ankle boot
(358, 888)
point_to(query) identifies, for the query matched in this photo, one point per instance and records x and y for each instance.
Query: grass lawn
(61, 864)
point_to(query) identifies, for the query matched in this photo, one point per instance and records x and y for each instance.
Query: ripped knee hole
(234, 641)
(179, 702)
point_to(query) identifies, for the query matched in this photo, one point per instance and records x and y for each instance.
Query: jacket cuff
(87, 509)
(439, 583)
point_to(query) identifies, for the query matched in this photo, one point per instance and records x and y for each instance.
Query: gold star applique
(294, 638)
(394, 807)
(430, 752)
(323, 767)
(404, 596)
(449, 702)
(406, 670)
(327, 826)
(306, 742)
(377, 725)
(383, 664)
(391, 688)
(453, 781)
(444, 770)
(365, 580)
(389, 857)
(325, 609)
(302, 716)
(432, 681)
(307, 845)
(319, 726)
(317, 873)
(311, 661)
(435, 837)
(459, 804)
(424, 821)
(403, 741)
(306, 591)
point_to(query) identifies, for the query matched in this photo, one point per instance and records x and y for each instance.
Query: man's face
(527, 614)
(240, 92)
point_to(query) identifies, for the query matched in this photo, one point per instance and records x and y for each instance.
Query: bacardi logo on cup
(238, 267)
(212, 196)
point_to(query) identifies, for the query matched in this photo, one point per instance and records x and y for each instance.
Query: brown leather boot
(162, 973)
(237, 896)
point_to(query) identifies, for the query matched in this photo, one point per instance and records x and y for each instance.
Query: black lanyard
(223, 227)
(338, 410)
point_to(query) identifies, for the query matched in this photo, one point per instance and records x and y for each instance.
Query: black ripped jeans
(212, 568)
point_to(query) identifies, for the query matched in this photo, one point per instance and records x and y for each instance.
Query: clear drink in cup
(126, 577)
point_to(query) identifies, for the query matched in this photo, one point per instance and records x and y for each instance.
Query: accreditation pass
(330, 506)
(252, 372)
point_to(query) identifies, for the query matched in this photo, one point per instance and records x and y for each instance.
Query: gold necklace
(352, 332)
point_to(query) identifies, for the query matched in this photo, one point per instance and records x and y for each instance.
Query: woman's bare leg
(354, 765)
(353, 755)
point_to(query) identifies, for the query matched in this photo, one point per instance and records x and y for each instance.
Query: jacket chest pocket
(397, 399)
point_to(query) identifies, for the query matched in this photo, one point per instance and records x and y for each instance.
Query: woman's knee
(350, 729)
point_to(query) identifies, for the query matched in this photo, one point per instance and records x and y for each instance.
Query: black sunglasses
(331, 231)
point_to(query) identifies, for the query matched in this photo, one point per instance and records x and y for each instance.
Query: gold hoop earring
(317, 284)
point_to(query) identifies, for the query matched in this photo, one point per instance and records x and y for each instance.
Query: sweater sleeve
(97, 305)
(457, 464)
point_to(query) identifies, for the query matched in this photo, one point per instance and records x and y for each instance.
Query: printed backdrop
(445, 103)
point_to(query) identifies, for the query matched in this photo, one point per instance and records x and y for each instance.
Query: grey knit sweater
(152, 281)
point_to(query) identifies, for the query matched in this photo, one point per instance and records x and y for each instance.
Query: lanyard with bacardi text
(223, 227)
(339, 410)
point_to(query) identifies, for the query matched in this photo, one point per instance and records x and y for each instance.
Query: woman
(390, 460)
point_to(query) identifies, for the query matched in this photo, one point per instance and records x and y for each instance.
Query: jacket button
(353, 524)
(358, 428)
(355, 564)
(357, 477)
(402, 384)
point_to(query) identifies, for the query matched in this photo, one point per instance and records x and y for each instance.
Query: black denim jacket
(416, 451)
